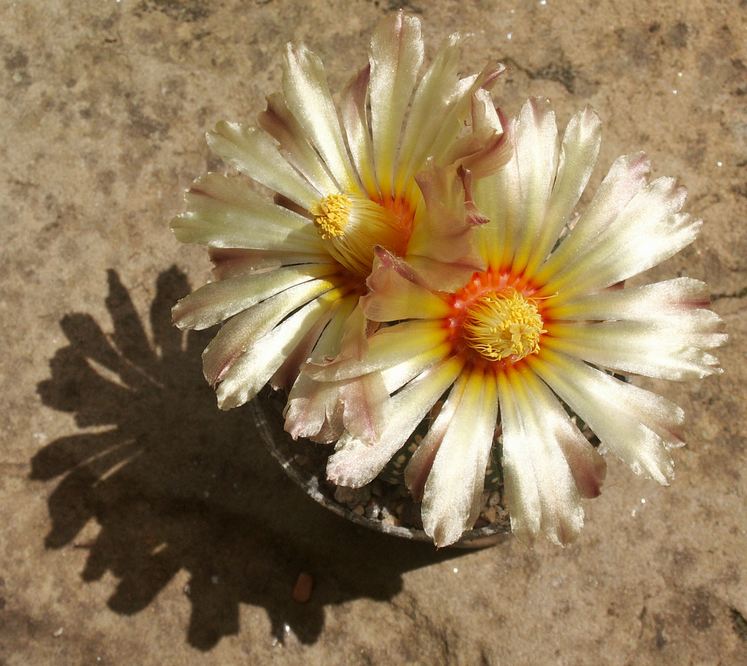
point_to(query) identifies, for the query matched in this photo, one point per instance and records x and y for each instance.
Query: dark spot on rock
(678, 34)
(19, 60)
(187, 11)
(682, 559)
(145, 125)
(739, 623)
(560, 71)
(700, 616)
(105, 179)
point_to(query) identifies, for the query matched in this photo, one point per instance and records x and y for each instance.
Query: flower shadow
(157, 481)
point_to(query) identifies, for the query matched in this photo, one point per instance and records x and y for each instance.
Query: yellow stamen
(503, 325)
(331, 215)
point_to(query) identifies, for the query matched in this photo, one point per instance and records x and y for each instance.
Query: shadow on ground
(173, 484)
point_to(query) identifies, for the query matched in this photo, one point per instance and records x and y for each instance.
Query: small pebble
(372, 509)
(302, 588)
(58, 632)
(352, 496)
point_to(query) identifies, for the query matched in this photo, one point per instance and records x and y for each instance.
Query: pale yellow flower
(530, 327)
(290, 271)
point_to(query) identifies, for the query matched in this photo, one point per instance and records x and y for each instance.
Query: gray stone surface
(141, 526)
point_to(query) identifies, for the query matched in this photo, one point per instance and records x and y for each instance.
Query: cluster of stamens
(503, 325)
(496, 319)
(331, 215)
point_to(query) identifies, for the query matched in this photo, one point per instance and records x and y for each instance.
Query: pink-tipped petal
(452, 494)
(634, 424)
(252, 151)
(397, 53)
(309, 100)
(223, 212)
(357, 462)
(217, 301)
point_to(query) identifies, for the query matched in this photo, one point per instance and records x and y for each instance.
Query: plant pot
(384, 505)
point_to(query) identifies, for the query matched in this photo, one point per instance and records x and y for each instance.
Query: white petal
(231, 262)
(312, 407)
(666, 349)
(578, 155)
(452, 494)
(354, 112)
(386, 348)
(243, 330)
(225, 213)
(355, 462)
(279, 122)
(251, 371)
(634, 424)
(396, 58)
(587, 466)
(626, 177)
(536, 149)
(651, 302)
(435, 94)
(541, 492)
(307, 96)
(648, 231)
(217, 301)
(419, 467)
(252, 152)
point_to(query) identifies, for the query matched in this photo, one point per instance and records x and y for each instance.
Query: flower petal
(253, 153)
(217, 301)
(386, 348)
(356, 462)
(437, 91)
(396, 57)
(308, 98)
(587, 466)
(667, 349)
(419, 467)
(540, 489)
(231, 262)
(278, 122)
(250, 372)
(243, 330)
(658, 301)
(626, 178)
(536, 150)
(354, 113)
(223, 212)
(452, 494)
(313, 409)
(395, 293)
(648, 231)
(636, 425)
(578, 155)
(444, 234)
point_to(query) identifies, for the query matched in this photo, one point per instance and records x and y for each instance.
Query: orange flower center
(495, 319)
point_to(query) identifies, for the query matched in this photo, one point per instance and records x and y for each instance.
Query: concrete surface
(141, 526)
